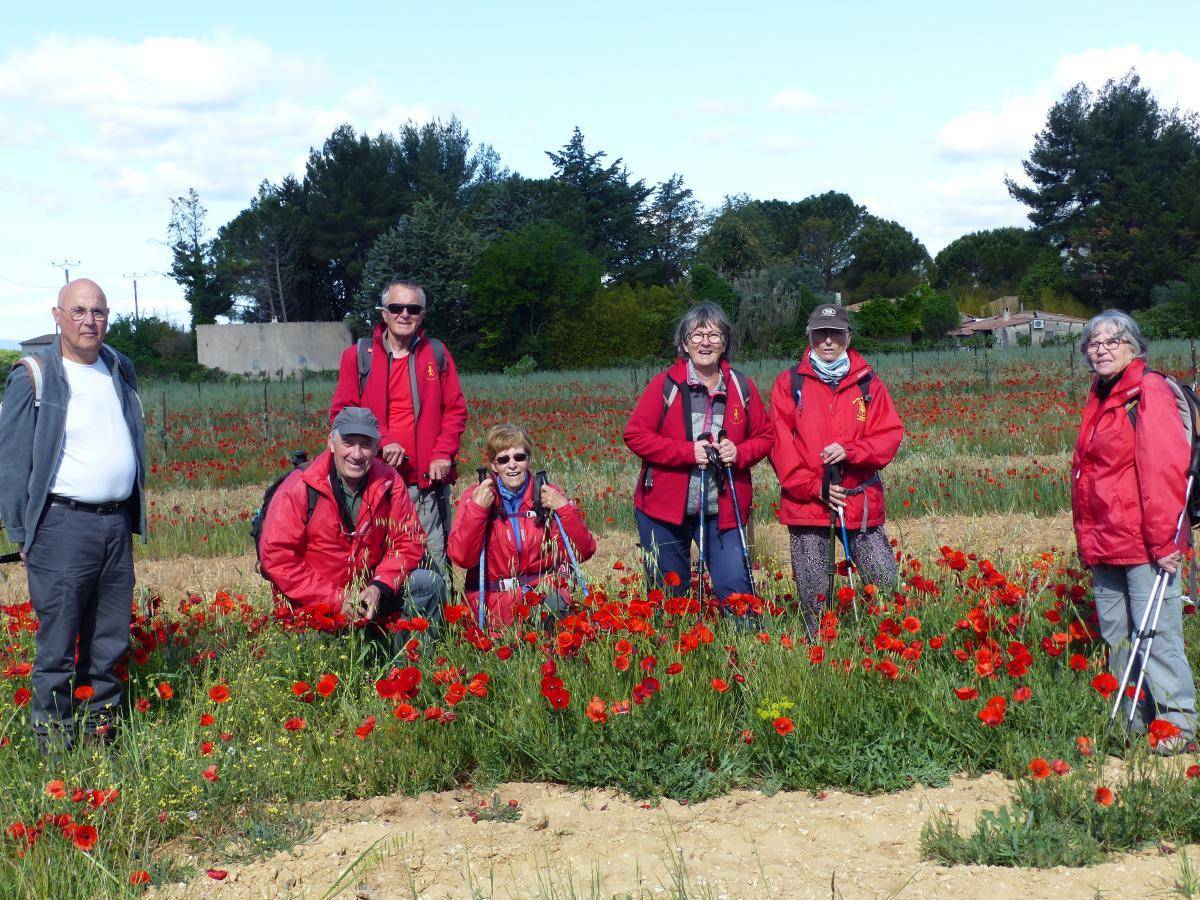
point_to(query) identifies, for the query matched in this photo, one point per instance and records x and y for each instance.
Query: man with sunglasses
(71, 496)
(408, 380)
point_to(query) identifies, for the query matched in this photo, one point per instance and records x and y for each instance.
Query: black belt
(103, 509)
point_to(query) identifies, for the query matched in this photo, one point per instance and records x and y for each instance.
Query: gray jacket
(31, 439)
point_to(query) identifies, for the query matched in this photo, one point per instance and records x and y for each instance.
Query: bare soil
(595, 843)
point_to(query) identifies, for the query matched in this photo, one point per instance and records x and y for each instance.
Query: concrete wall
(272, 346)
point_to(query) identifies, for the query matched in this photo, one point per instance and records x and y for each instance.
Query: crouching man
(341, 539)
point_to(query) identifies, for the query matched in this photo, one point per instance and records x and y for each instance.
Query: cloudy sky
(918, 110)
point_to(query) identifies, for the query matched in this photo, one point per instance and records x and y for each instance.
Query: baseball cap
(829, 315)
(356, 420)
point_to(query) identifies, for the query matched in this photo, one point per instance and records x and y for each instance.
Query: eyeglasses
(516, 457)
(79, 313)
(712, 337)
(1109, 344)
(413, 309)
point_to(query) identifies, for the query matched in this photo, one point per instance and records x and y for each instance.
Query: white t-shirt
(98, 462)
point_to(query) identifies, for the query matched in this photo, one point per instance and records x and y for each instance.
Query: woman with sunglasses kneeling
(522, 525)
(696, 424)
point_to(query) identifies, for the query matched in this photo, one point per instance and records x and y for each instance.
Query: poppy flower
(84, 692)
(966, 693)
(1077, 662)
(56, 789)
(21, 697)
(720, 685)
(363, 730)
(911, 624)
(674, 668)
(504, 652)
(1021, 694)
(406, 712)
(295, 723)
(98, 798)
(747, 736)
(217, 874)
(783, 725)
(165, 691)
(139, 877)
(623, 647)
(84, 837)
(210, 774)
(142, 705)
(1084, 743)
(992, 713)
(1104, 796)
(327, 685)
(621, 663)
(303, 690)
(1105, 684)
(671, 579)
(597, 711)
(1039, 768)
(816, 655)
(218, 693)
(1193, 771)
(1161, 730)
(558, 698)
(455, 693)
(206, 748)
(206, 719)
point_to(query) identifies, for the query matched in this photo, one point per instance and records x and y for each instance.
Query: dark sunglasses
(413, 309)
(516, 457)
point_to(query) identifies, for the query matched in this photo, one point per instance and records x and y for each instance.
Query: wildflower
(747, 736)
(303, 690)
(1161, 730)
(558, 698)
(1104, 684)
(911, 624)
(720, 685)
(992, 713)
(327, 685)
(621, 663)
(1193, 771)
(1039, 768)
(21, 697)
(674, 668)
(363, 730)
(596, 711)
(783, 725)
(218, 693)
(206, 719)
(139, 877)
(406, 712)
(99, 798)
(966, 693)
(56, 789)
(142, 705)
(1060, 767)
(1104, 796)
(217, 874)
(1077, 662)
(210, 774)
(84, 837)
(165, 691)
(816, 655)
(84, 692)
(206, 748)
(1084, 743)
(1021, 694)
(295, 723)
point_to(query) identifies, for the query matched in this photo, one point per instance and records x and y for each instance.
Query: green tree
(939, 316)
(258, 255)
(879, 318)
(1112, 182)
(1175, 312)
(706, 284)
(433, 247)
(525, 282)
(888, 260)
(733, 245)
(647, 316)
(994, 259)
(192, 264)
(674, 219)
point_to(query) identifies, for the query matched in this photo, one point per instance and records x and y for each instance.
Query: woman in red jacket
(524, 552)
(1128, 477)
(832, 410)
(700, 401)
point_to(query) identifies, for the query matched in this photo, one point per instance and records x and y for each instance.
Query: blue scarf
(830, 373)
(511, 500)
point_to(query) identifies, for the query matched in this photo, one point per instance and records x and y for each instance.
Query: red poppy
(99, 798)
(142, 705)
(84, 837)
(303, 690)
(210, 774)
(1161, 730)
(56, 789)
(1193, 771)
(674, 668)
(747, 736)
(455, 694)
(911, 624)
(21, 697)
(206, 719)
(165, 691)
(1077, 662)
(671, 579)
(217, 874)
(783, 725)
(218, 693)
(559, 698)
(1060, 767)
(623, 647)
(720, 685)
(966, 693)
(363, 730)
(1084, 743)
(1104, 684)
(597, 711)
(84, 692)
(621, 663)
(816, 655)
(139, 877)
(1104, 796)
(295, 723)
(1021, 694)
(206, 748)
(406, 712)
(992, 713)
(327, 684)
(1039, 768)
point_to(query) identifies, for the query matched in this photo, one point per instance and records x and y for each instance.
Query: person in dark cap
(341, 540)
(835, 429)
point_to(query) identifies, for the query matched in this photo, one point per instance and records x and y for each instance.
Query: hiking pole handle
(480, 614)
(10, 558)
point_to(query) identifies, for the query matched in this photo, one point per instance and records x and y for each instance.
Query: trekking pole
(737, 516)
(480, 614)
(1154, 605)
(833, 475)
(540, 480)
(703, 509)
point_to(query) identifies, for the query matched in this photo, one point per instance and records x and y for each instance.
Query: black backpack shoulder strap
(670, 391)
(439, 353)
(313, 494)
(364, 363)
(797, 387)
(864, 385)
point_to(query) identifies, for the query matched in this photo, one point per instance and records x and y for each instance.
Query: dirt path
(570, 843)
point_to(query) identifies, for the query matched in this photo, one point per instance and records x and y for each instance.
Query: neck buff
(830, 373)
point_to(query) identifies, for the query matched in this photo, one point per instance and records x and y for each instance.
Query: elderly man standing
(71, 495)
(409, 381)
(340, 538)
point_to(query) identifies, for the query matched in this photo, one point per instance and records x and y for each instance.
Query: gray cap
(829, 315)
(356, 420)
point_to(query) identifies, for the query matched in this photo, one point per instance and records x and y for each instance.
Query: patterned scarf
(830, 373)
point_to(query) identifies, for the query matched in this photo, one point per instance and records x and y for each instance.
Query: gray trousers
(80, 570)
(433, 509)
(1122, 593)
(870, 550)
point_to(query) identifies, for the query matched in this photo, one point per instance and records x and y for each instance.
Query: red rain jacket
(443, 414)
(661, 438)
(1127, 483)
(870, 432)
(541, 554)
(311, 564)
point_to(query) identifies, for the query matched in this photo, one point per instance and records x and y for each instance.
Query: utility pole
(65, 265)
(134, 276)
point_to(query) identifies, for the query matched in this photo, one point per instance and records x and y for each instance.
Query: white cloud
(962, 203)
(160, 116)
(1007, 131)
(715, 137)
(714, 106)
(785, 144)
(795, 100)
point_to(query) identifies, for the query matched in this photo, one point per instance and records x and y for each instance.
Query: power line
(40, 287)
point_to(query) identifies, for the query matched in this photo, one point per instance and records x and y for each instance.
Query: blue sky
(916, 110)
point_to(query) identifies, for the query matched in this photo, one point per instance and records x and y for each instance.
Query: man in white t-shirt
(71, 496)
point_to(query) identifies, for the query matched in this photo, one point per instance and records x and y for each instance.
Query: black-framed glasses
(516, 457)
(1109, 344)
(79, 313)
(413, 309)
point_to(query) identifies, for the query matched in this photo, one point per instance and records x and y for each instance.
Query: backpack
(34, 366)
(1188, 405)
(299, 462)
(671, 391)
(364, 359)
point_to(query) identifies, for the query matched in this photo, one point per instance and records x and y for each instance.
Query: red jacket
(311, 564)
(1127, 483)
(541, 554)
(443, 413)
(662, 438)
(870, 432)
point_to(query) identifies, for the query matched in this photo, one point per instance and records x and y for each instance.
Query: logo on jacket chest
(860, 409)
(735, 415)
(430, 372)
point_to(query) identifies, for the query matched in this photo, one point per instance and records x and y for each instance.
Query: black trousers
(80, 571)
